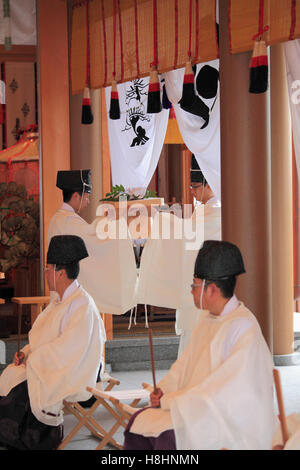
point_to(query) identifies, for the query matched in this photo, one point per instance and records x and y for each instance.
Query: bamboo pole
(282, 417)
(152, 359)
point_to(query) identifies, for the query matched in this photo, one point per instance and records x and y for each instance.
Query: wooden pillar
(245, 176)
(53, 92)
(106, 187)
(296, 239)
(282, 208)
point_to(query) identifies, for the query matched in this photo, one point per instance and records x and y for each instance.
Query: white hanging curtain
(203, 143)
(22, 22)
(136, 139)
(292, 57)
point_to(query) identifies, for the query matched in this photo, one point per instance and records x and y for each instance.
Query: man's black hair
(68, 194)
(226, 286)
(71, 269)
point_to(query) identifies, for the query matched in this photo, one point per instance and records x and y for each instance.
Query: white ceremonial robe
(109, 273)
(219, 393)
(62, 358)
(187, 316)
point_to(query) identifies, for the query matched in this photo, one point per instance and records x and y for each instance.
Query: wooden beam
(18, 54)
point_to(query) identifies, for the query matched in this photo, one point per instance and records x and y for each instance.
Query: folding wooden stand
(121, 412)
(111, 401)
(85, 418)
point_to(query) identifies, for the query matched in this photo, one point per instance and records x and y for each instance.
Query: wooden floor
(163, 328)
(160, 320)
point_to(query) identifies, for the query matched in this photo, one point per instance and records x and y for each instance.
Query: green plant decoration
(19, 218)
(118, 191)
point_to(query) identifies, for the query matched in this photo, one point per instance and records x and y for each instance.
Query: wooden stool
(2, 301)
(36, 303)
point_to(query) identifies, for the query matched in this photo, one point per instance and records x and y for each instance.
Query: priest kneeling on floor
(219, 392)
(61, 359)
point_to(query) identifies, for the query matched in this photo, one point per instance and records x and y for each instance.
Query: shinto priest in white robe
(63, 355)
(219, 392)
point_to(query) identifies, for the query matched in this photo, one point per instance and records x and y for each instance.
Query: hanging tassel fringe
(114, 110)
(86, 114)
(130, 317)
(154, 104)
(188, 89)
(259, 68)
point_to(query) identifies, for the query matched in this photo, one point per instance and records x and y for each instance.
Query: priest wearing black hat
(208, 212)
(61, 359)
(219, 392)
(76, 189)
(200, 188)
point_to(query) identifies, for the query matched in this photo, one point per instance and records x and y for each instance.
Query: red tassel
(86, 114)
(259, 68)
(114, 111)
(154, 103)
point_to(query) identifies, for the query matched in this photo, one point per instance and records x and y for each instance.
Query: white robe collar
(68, 292)
(230, 306)
(67, 207)
(213, 201)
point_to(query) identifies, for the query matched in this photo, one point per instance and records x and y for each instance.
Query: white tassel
(130, 319)
(146, 317)
(135, 312)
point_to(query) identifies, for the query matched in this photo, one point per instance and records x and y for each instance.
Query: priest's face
(50, 276)
(200, 192)
(80, 202)
(196, 293)
(197, 190)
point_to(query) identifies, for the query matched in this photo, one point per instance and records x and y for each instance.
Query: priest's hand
(19, 358)
(155, 398)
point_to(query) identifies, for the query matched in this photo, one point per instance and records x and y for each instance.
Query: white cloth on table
(167, 264)
(62, 358)
(219, 392)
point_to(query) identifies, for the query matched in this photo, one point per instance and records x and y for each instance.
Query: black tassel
(188, 89)
(86, 114)
(114, 110)
(154, 104)
(259, 68)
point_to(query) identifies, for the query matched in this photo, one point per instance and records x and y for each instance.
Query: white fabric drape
(203, 143)
(136, 139)
(167, 263)
(109, 273)
(292, 57)
(23, 22)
